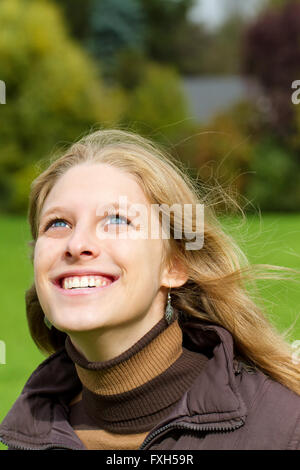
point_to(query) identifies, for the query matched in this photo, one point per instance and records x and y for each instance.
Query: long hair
(216, 290)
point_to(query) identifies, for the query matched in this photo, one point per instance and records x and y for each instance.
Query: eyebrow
(53, 210)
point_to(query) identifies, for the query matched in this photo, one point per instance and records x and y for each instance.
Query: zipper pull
(237, 366)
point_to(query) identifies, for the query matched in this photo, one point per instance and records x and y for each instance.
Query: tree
(114, 26)
(76, 14)
(222, 56)
(54, 93)
(272, 55)
(164, 20)
(157, 105)
(277, 3)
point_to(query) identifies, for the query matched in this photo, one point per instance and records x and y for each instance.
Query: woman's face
(70, 257)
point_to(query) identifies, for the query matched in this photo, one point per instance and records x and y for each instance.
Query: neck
(107, 343)
(133, 391)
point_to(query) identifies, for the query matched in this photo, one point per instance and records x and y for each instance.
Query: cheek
(146, 251)
(37, 258)
(142, 256)
(45, 254)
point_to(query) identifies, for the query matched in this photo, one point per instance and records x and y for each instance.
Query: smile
(83, 284)
(79, 282)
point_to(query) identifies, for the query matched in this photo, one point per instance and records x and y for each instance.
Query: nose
(82, 244)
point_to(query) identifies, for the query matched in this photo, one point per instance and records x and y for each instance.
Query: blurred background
(211, 80)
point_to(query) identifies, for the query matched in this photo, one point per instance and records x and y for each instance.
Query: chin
(75, 321)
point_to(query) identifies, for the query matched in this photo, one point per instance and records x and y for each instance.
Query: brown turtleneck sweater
(124, 398)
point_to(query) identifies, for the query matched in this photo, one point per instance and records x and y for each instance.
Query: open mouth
(86, 282)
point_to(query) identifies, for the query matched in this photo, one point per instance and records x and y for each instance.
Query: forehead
(94, 184)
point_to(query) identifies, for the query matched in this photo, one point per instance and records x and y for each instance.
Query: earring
(47, 323)
(169, 309)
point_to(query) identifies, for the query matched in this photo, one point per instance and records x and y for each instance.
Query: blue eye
(56, 223)
(119, 217)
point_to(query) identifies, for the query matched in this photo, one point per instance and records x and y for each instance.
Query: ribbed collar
(132, 392)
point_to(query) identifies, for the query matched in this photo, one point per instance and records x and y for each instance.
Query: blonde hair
(218, 273)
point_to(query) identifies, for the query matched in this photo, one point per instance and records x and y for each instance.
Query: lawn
(275, 239)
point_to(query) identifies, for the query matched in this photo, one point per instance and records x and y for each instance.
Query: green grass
(16, 276)
(273, 240)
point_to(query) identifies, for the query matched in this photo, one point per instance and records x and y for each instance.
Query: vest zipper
(215, 427)
(46, 447)
(191, 427)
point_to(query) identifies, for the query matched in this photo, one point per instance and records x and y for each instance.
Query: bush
(275, 183)
(236, 151)
(272, 56)
(54, 91)
(223, 148)
(157, 105)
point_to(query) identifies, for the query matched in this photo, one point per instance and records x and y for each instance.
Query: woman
(154, 344)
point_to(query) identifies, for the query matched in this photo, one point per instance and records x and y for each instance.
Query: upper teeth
(84, 281)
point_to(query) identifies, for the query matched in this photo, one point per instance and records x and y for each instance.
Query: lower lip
(83, 290)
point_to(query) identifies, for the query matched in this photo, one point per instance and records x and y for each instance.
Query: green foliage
(54, 91)
(237, 151)
(160, 29)
(114, 25)
(276, 180)
(55, 94)
(222, 56)
(157, 105)
(293, 138)
(215, 52)
(271, 55)
(223, 148)
(164, 21)
(278, 3)
(130, 68)
(110, 27)
(76, 13)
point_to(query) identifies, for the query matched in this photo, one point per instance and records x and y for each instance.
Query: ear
(174, 276)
